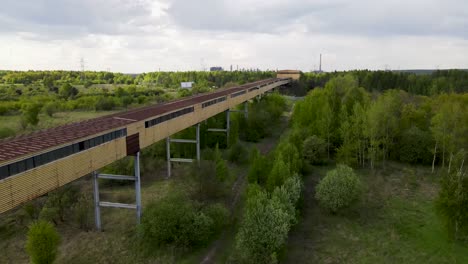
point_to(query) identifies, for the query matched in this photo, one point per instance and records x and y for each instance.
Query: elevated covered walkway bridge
(35, 164)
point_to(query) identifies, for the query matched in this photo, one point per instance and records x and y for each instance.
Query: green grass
(13, 121)
(394, 223)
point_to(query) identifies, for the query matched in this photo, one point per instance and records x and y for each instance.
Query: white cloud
(137, 36)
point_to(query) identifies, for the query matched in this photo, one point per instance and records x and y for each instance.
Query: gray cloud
(71, 18)
(362, 17)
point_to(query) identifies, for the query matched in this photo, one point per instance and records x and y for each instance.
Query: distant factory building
(186, 85)
(216, 68)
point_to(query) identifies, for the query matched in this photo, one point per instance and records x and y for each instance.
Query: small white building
(186, 85)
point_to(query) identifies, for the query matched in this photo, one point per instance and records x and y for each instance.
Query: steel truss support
(170, 140)
(98, 203)
(225, 130)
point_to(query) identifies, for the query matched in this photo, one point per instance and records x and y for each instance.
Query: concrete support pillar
(198, 143)
(228, 126)
(97, 208)
(168, 155)
(137, 187)
(246, 109)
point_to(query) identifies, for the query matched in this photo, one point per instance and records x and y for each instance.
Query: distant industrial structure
(186, 85)
(216, 68)
(320, 65)
(284, 74)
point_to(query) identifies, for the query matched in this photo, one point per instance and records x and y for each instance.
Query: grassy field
(13, 121)
(394, 223)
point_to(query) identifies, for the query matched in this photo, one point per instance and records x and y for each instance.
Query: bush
(31, 113)
(207, 185)
(104, 104)
(51, 108)
(6, 132)
(338, 189)
(415, 146)
(452, 201)
(42, 243)
(279, 173)
(219, 214)
(238, 153)
(83, 212)
(263, 231)
(290, 155)
(57, 203)
(175, 221)
(314, 150)
(222, 172)
(259, 169)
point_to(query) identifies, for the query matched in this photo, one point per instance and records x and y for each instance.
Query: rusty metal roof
(12, 148)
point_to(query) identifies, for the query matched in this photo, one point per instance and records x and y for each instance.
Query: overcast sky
(147, 35)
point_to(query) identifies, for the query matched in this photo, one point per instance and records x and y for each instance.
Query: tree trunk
(433, 160)
(450, 163)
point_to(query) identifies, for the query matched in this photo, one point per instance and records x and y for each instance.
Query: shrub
(42, 242)
(259, 169)
(6, 132)
(452, 201)
(175, 221)
(83, 212)
(238, 153)
(207, 185)
(50, 108)
(31, 113)
(290, 155)
(279, 173)
(264, 229)
(57, 203)
(104, 104)
(219, 214)
(222, 172)
(338, 189)
(314, 150)
(415, 146)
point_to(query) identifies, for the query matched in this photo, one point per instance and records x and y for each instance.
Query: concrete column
(168, 154)
(228, 126)
(137, 187)
(198, 143)
(246, 109)
(97, 208)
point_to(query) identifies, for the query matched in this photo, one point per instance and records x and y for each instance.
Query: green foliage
(57, 203)
(279, 173)
(290, 155)
(415, 146)
(42, 243)
(50, 108)
(338, 189)
(219, 214)
(267, 221)
(314, 150)
(452, 201)
(6, 132)
(222, 172)
(263, 230)
(259, 169)
(67, 91)
(207, 185)
(83, 211)
(175, 220)
(238, 153)
(104, 104)
(30, 113)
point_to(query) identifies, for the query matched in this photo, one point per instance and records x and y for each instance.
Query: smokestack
(320, 67)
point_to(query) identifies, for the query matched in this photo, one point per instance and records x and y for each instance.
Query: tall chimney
(320, 67)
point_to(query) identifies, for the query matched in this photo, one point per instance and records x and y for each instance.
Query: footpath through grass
(394, 223)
